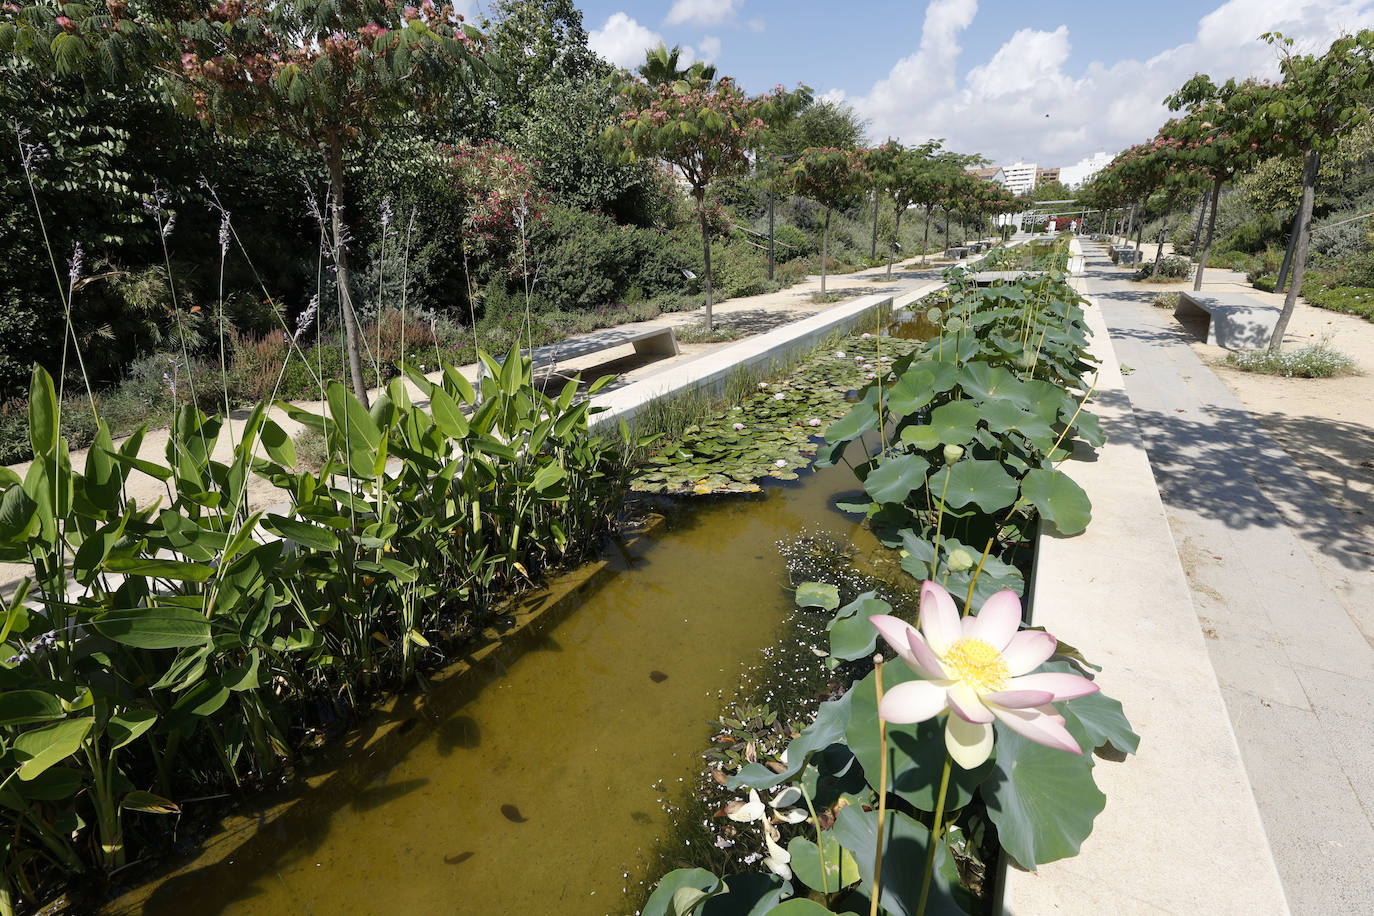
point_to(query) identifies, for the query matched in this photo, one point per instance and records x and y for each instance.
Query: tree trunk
(892, 252)
(1159, 249)
(873, 248)
(770, 233)
(342, 276)
(706, 258)
(825, 249)
(1311, 162)
(1139, 231)
(1287, 264)
(1201, 213)
(925, 239)
(1104, 221)
(1207, 245)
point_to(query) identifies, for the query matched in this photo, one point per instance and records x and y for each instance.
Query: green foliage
(1358, 300)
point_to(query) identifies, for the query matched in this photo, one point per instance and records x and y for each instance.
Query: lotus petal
(939, 618)
(912, 701)
(1018, 698)
(1041, 724)
(1027, 650)
(964, 702)
(968, 743)
(750, 811)
(1064, 686)
(997, 621)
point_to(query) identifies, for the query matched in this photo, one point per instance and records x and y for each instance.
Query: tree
(817, 125)
(1223, 132)
(904, 175)
(832, 178)
(705, 130)
(321, 74)
(1320, 101)
(661, 66)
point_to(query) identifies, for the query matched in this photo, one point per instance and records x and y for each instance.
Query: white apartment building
(1076, 175)
(1019, 177)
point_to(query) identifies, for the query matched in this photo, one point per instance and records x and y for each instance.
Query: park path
(748, 315)
(1283, 588)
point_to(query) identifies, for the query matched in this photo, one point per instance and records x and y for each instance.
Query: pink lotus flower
(979, 669)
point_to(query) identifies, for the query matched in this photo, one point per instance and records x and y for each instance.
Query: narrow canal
(536, 794)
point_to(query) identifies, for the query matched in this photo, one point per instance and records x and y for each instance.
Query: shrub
(582, 259)
(742, 270)
(1353, 300)
(1231, 260)
(1313, 361)
(791, 242)
(1265, 282)
(1171, 267)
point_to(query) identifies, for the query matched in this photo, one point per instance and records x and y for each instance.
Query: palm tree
(661, 66)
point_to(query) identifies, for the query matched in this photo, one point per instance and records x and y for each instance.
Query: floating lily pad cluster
(775, 432)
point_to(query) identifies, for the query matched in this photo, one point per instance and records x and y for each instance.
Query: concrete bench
(1231, 320)
(648, 340)
(958, 253)
(1125, 255)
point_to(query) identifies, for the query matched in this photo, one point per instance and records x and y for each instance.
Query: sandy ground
(1325, 425)
(750, 315)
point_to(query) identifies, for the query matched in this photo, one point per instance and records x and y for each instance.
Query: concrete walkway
(1284, 594)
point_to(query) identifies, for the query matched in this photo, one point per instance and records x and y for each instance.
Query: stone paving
(1284, 594)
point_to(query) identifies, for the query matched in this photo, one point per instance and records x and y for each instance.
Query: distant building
(1019, 177)
(1042, 176)
(1076, 175)
(988, 173)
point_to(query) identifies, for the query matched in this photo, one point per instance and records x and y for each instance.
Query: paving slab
(1281, 587)
(1181, 833)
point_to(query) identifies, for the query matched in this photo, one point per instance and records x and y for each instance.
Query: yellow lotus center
(977, 664)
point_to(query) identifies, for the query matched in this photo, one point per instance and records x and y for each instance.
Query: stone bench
(647, 340)
(1231, 320)
(958, 253)
(1125, 255)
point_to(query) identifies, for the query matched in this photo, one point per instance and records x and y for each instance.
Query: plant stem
(935, 831)
(820, 844)
(882, 790)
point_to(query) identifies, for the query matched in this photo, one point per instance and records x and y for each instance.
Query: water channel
(535, 793)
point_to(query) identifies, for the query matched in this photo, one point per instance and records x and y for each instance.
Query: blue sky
(983, 74)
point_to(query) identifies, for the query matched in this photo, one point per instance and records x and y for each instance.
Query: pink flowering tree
(1223, 133)
(321, 74)
(705, 130)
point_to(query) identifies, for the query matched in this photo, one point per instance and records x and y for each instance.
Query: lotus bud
(953, 453)
(959, 560)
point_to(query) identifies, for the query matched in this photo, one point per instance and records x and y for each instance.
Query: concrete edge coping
(1181, 832)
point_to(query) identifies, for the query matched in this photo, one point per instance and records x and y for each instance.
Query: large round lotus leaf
(913, 390)
(984, 381)
(1058, 499)
(1042, 799)
(1001, 416)
(894, 479)
(922, 437)
(984, 483)
(954, 422)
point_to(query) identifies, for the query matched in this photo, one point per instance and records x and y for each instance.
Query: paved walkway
(1284, 593)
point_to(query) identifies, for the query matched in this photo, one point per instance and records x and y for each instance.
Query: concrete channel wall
(710, 371)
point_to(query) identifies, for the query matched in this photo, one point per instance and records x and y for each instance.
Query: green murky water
(535, 794)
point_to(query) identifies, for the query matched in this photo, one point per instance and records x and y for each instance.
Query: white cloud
(701, 12)
(755, 25)
(709, 50)
(1022, 104)
(622, 40)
